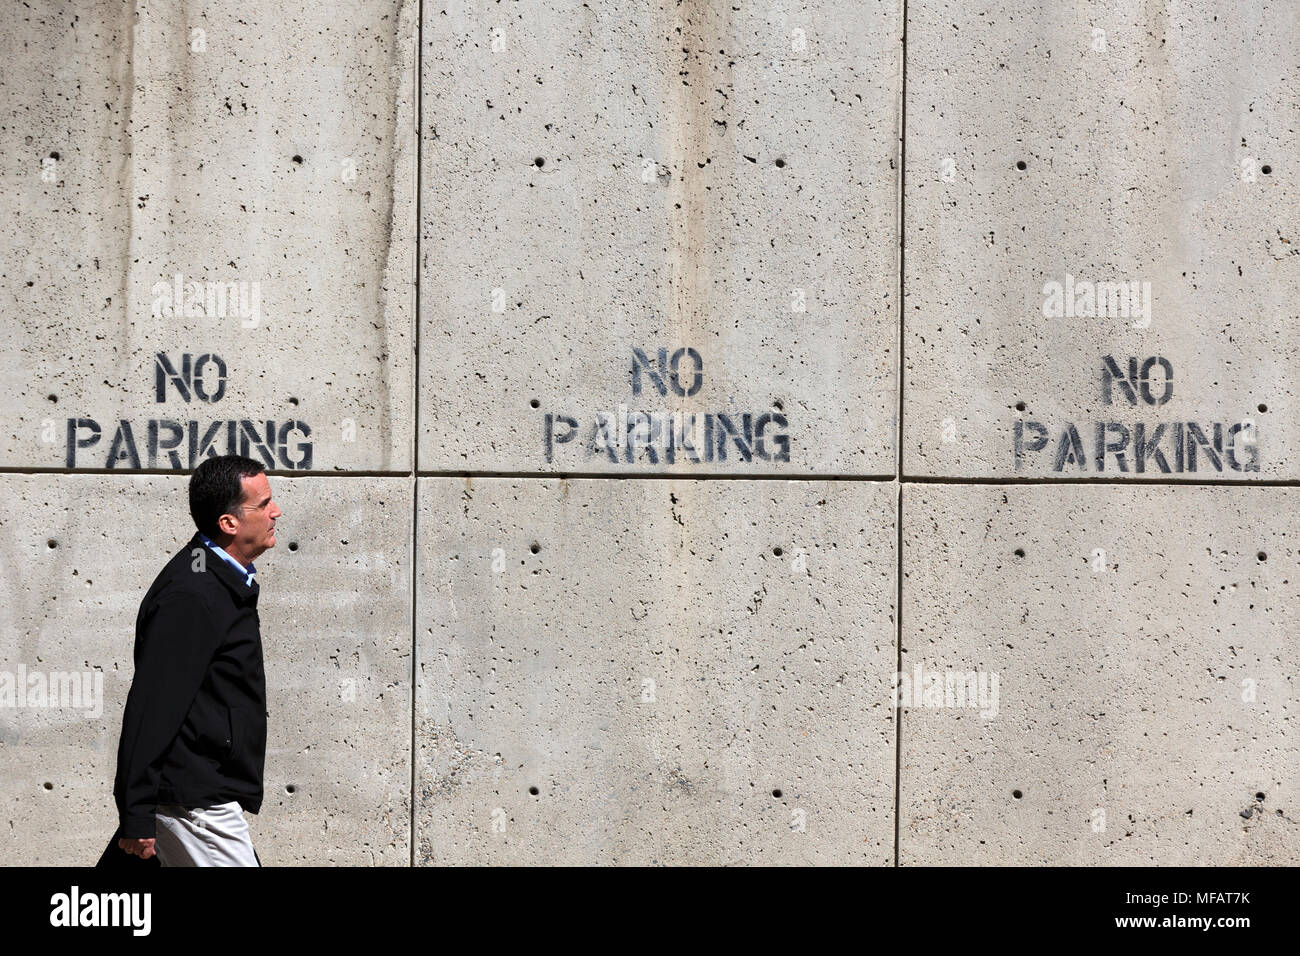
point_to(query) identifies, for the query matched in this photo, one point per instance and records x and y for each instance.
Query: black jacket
(194, 729)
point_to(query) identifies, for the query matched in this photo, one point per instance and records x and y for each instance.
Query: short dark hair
(216, 488)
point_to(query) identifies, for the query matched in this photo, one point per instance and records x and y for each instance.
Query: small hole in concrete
(1260, 795)
(54, 155)
(1020, 552)
(778, 551)
(52, 543)
(48, 785)
(534, 403)
(780, 164)
(292, 400)
(1020, 406)
(777, 793)
(1263, 556)
(298, 160)
(1263, 407)
(539, 162)
(290, 788)
(777, 405)
(1266, 169)
(1022, 165)
(53, 398)
(533, 791)
(534, 547)
(293, 545)
(1017, 794)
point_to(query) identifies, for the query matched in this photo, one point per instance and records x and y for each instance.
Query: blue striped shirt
(248, 572)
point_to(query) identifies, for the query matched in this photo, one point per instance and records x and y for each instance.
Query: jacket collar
(216, 564)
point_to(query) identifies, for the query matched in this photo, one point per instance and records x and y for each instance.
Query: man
(193, 740)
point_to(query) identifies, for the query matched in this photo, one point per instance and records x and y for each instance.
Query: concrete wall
(752, 364)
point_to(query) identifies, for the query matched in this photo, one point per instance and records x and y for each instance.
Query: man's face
(254, 526)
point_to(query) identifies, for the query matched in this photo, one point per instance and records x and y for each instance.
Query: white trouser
(203, 836)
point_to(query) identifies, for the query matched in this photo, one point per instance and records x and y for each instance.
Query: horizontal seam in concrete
(1110, 480)
(128, 472)
(691, 476)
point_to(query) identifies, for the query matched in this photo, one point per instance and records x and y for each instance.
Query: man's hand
(141, 848)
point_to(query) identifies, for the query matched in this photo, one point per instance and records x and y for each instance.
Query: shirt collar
(248, 571)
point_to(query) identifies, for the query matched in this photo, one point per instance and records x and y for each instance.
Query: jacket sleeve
(172, 655)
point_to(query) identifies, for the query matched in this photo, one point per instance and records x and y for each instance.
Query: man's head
(230, 501)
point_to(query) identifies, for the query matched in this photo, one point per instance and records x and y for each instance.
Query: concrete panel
(335, 612)
(233, 190)
(1055, 146)
(654, 671)
(1145, 655)
(603, 177)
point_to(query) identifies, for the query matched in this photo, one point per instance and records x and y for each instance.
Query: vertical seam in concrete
(902, 249)
(415, 389)
(127, 170)
(898, 433)
(898, 669)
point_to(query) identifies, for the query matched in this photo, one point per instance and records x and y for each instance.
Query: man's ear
(226, 524)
